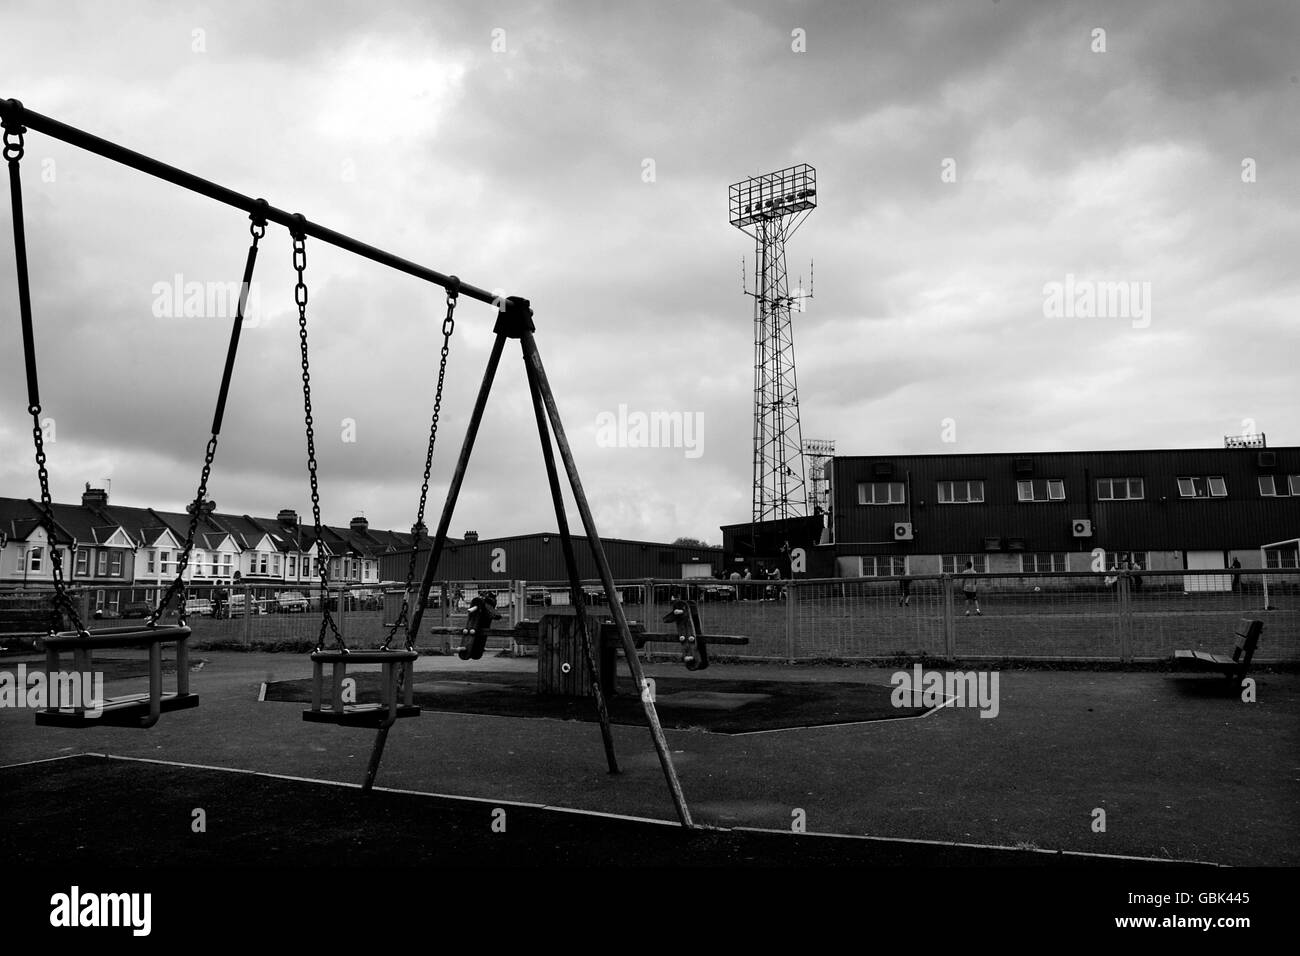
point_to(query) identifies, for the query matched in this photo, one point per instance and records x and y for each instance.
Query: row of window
(110, 563)
(971, 491)
(892, 565)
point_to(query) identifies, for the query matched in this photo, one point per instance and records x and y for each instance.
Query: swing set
(514, 321)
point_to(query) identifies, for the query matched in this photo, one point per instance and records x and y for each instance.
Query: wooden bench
(1233, 668)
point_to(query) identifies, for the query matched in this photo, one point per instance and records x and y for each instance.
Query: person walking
(904, 591)
(970, 588)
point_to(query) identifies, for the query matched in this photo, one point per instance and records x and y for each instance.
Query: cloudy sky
(969, 156)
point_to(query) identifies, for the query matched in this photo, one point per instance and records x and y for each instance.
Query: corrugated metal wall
(541, 558)
(1161, 521)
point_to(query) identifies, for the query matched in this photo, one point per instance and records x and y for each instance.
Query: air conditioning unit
(882, 469)
(992, 544)
(1081, 528)
(1024, 466)
(1267, 459)
(902, 531)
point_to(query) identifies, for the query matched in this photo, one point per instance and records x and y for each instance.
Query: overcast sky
(968, 154)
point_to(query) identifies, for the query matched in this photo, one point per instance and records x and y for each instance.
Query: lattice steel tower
(770, 208)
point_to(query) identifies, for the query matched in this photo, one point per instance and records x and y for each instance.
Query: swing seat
(374, 715)
(132, 710)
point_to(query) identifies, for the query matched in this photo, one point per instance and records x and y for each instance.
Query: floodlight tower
(770, 208)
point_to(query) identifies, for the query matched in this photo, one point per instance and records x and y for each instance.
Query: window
(1119, 489)
(35, 560)
(961, 492)
(885, 565)
(292, 561)
(1041, 489)
(1137, 559)
(956, 563)
(150, 557)
(115, 564)
(165, 562)
(275, 564)
(83, 562)
(198, 562)
(1277, 559)
(1294, 482)
(1044, 562)
(226, 560)
(1269, 487)
(101, 563)
(1198, 487)
(261, 560)
(881, 493)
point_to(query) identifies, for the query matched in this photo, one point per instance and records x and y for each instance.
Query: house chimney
(359, 523)
(288, 517)
(94, 497)
(471, 537)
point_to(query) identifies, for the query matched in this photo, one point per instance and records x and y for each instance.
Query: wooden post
(571, 567)
(607, 579)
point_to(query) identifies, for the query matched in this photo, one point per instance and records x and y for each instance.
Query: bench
(1233, 668)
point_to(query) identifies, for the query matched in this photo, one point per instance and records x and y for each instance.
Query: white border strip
(28, 763)
(357, 786)
(986, 846)
(617, 816)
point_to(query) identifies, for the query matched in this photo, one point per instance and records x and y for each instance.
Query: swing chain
(448, 326)
(61, 598)
(258, 229)
(14, 148)
(300, 298)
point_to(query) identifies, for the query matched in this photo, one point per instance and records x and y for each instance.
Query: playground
(1166, 755)
(594, 754)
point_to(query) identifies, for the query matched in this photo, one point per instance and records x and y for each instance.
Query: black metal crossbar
(13, 110)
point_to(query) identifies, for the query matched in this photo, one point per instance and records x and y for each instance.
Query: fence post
(949, 620)
(340, 604)
(246, 604)
(446, 604)
(791, 600)
(1124, 608)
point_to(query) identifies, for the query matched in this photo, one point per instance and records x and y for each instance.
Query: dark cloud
(524, 168)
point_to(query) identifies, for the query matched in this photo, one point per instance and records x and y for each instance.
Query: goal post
(1276, 556)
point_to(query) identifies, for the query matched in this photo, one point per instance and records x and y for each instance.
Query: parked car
(290, 602)
(137, 609)
(718, 592)
(200, 606)
(238, 605)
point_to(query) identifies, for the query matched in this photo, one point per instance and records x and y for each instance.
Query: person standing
(904, 591)
(970, 588)
(1236, 574)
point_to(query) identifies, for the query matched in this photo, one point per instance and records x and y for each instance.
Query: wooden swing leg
(607, 579)
(571, 564)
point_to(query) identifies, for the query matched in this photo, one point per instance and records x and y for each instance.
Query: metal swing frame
(514, 320)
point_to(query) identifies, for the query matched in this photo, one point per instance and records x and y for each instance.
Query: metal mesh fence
(1060, 616)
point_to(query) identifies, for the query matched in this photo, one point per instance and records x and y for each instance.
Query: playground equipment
(514, 321)
(135, 710)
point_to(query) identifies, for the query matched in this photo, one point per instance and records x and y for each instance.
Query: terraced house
(126, 554)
